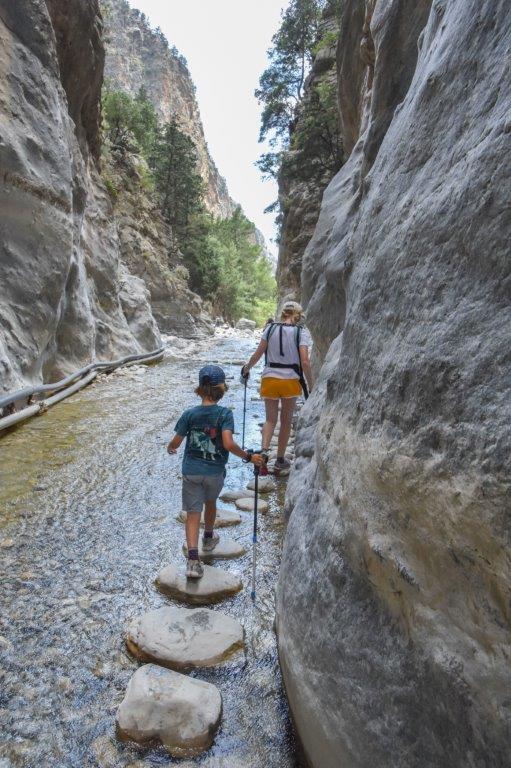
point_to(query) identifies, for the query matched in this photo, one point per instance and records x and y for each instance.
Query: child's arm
(261, 349)
(175, 443)
(233, 447)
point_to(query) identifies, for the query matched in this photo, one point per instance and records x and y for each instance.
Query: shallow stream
(88, 499)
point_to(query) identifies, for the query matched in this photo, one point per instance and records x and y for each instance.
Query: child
(208, 429)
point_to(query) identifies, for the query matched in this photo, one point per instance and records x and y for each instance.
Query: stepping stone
(214, 586)
(247, 505)
(233, 495)
(224, 550)
(224, 517)
(165, 707)
(184, 638)
(266, 484)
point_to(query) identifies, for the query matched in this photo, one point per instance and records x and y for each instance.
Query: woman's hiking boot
(210, 542)
(281, 466)
(194, 569)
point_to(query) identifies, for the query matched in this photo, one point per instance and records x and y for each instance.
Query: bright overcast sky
(225, 44)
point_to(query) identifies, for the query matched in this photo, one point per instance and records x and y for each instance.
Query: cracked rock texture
(397, 548)
(65, 296)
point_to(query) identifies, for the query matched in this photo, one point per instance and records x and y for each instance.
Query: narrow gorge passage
(90, 498)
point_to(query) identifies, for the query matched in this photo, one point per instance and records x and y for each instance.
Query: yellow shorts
(274, 389)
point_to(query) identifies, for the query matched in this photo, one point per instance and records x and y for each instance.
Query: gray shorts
(200, 488)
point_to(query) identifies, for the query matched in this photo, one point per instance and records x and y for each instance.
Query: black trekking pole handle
(254, 535)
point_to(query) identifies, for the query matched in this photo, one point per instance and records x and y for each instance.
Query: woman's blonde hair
(293, 310)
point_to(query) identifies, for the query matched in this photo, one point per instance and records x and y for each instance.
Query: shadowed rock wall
(61, 280)
(393, 599)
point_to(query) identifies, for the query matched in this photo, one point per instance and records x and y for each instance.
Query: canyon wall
(138, 56)
(393, 605)
(80, 278)
(65, 297)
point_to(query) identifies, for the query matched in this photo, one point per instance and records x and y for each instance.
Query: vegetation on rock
(226, 265)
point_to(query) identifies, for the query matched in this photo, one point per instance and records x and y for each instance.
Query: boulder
(266, 484)
(215, 585)
(165, 707)
(224, 518)
(224, 550)
(233, 495)
(184, 638)
(247, 505)
(244, 324)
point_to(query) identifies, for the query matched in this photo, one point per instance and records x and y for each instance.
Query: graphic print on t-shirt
(202, 443)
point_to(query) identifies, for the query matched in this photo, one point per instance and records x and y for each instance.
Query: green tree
(129, 123)
(178, 184)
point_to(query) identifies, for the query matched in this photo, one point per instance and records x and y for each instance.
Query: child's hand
(170, 449)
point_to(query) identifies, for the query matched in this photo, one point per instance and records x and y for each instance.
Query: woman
(286, 347)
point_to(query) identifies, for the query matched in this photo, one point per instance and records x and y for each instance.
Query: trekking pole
(254, 537)
(244, 411)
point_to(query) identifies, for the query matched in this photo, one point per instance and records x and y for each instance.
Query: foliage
(281, 84)
(317, 135)
(228, 268)
(173, 161)
(128, 123)
(225, 265)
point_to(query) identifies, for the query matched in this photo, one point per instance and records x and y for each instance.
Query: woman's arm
(174, 444)
(306, 366)
(261, 349)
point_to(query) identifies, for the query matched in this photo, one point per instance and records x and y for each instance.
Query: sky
(225, 43)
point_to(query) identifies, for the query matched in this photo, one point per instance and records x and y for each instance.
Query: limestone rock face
(183, 638)
(60, 271)
(164, 706)
(396, 548)
(140, 56)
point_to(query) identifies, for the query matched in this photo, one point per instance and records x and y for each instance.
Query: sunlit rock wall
(393, 600)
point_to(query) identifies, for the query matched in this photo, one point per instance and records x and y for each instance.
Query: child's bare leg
(272, 414)
(209, 515)
(192, 527)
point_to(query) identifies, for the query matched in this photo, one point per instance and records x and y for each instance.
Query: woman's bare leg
(287, 408)
(272, 414)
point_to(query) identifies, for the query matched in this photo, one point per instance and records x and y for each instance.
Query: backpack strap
(270, 331)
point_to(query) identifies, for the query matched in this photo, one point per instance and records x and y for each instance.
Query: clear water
(88, 498)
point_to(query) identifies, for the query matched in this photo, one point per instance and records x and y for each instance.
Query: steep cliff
(312, 159)
(138, 56)
(63, 289)
(397, 549)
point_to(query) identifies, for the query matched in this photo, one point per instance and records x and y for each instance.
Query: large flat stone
(184, 638)
(224, 518)
(233, 495)
(266, 484)
(224, 550)
(215, 585)
(163, 706)
(247, 505)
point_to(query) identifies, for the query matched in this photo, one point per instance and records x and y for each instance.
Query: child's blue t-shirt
(202, 426)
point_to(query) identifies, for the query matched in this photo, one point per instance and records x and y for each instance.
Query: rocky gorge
(83, 275)
(397, 547)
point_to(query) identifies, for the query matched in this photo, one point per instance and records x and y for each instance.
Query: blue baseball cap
(211, 374)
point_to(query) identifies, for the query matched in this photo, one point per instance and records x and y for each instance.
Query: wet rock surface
(183, 638)
(175, 710)
(226, 549)
(224, 518)
(399, 499)
(215, 585)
